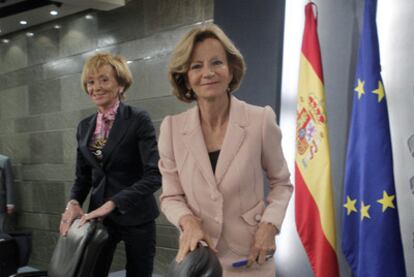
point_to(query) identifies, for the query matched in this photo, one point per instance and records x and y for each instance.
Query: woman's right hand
(191, 235)
(72, 211)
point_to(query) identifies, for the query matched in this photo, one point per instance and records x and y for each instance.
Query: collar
(237, 115)
(110, 114)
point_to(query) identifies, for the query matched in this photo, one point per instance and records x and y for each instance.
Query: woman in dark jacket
(116, 161)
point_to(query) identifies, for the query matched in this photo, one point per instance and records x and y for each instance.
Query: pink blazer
(230, 202)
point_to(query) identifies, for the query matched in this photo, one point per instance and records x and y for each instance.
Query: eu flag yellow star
(386, 201)
(364, 211)
(350, 205)
(379, 91)
(360, 88)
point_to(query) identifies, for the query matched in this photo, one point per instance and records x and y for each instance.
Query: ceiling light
(129, 62)
(29, 34)
(57, 26)
(88, 16)
(23, 22)
(5, 40)
(54, 12)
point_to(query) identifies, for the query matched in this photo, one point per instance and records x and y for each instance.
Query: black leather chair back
(8, 255)
(202, 262)
(24, 245)
(76, 253)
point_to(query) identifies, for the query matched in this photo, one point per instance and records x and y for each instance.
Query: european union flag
(371, 239)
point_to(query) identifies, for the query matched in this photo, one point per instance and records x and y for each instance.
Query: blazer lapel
(85, 137)
(194, 140)
(117, 132)
(233, 139)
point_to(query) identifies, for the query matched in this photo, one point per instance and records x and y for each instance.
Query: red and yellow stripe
(314, 208)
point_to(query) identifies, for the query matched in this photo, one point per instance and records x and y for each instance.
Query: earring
(228, 89)
(188, 94)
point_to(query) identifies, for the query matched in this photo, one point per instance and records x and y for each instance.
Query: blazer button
(258, 217)
(217, 218)
(213, 197)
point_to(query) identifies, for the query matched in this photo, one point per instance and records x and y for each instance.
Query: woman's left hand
(263, 244)
(99, 213)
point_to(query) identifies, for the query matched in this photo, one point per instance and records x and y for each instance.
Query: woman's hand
(263, 244)
(73, 210)
(10, 209)
(99, 213)
(191, 235)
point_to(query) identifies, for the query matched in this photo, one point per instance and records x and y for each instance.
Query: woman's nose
(208, 73)
(97, 86)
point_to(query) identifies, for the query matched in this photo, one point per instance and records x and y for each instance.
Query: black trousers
(139, 243)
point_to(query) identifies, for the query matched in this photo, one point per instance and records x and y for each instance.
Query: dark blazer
(128, 173)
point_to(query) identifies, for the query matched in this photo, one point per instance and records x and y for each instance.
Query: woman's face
(103, 88)
(209, 75)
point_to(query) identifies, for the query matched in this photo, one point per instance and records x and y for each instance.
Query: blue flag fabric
(371, 239)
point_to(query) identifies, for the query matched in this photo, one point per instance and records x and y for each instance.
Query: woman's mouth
(209, 84)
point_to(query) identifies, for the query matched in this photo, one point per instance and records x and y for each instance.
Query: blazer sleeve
(150, 181)
(173, 201)
(276, 169)
(8, 179)
(83, 173)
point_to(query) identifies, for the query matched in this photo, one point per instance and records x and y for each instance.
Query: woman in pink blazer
(212, 159)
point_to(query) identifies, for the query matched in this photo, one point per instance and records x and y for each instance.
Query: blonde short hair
(122, 73)
(181, 59)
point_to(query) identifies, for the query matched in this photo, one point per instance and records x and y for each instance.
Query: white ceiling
(10, 23)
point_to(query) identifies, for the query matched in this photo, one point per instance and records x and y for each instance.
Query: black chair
(8, 255)
(75, 254)
(24, 245)
(202, 262)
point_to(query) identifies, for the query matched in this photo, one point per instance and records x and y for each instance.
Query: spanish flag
(314, 208)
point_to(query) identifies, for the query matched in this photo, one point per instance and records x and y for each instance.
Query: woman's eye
(217, 62)
(89, 83)
(195, 66)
